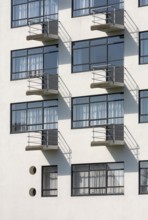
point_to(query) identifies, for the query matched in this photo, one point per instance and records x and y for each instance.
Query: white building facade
(74, 109)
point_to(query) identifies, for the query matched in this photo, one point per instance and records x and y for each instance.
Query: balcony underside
(43, 37)
(42, 92)
(107, 85)
(41, 147)
(107, 27)
(108, 143)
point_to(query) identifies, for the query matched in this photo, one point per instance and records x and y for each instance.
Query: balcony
(108, 77)
(42, 84)
(109, 135)
(43, 140)
(43, 31)
(108, 20)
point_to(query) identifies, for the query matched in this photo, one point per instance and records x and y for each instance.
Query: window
(143, 3)
(86, 7)
(97, 110)
(143, 177)
(34, 10)
(143, 106)
(41, 60)
(98, 179)
(143, 53)
(49, 181)
(34, 116)
(97, 52)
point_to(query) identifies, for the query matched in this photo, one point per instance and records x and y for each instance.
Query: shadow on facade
(132, 33)
(62, 156)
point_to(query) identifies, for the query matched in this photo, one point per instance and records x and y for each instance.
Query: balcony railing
(108, 77)
(42, 84)
(43, 140)
(108, 19)
(45, 31)
(109, 135)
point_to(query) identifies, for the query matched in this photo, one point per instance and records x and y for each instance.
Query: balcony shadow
(132, 33)
(131, 85)
(65, 44)
(62, 157)
(65, 92)
(129, 153)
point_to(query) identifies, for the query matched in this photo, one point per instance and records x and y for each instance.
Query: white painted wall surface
(15, 181)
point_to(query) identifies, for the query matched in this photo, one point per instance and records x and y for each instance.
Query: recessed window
(143, 53)
(37, 11)
(143, 106)
(49, 181)
(98, 179)
(41, 60)
(34, 116)
(143, 3)
(143, 177)
(90, 54)
(86, 7)
(97, 110)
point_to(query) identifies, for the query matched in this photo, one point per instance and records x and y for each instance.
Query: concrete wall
(15, 181)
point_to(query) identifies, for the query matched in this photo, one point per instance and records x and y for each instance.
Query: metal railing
(108, 15)
(43, 138)
(109, 73)
(113, 132)
(45, 26)
(37, 80)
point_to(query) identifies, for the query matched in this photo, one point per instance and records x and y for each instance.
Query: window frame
(107, 45)
(89, 103)
(43, 48)
(140, 5)
(140, 193)
(140, 56)
(106, 179)
(89, 8)
(140, 99)
(13, 131)
(42, 181)
(27, 18)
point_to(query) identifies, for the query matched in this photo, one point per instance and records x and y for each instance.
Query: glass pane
(98, 111)
(98, 3)
(80, 179)
(19, 64)
(20, 12)
(144, 106)
(81, 112)
(144, 47)
(81, 56)
(115, 109)
(34, 116)
(144, 176)
(33, 9)
(144, 93)
(98, 54)
(115, 52)
(50, 60)
(143, 2)
(80, 4)
(144, 164)
(50, 115)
